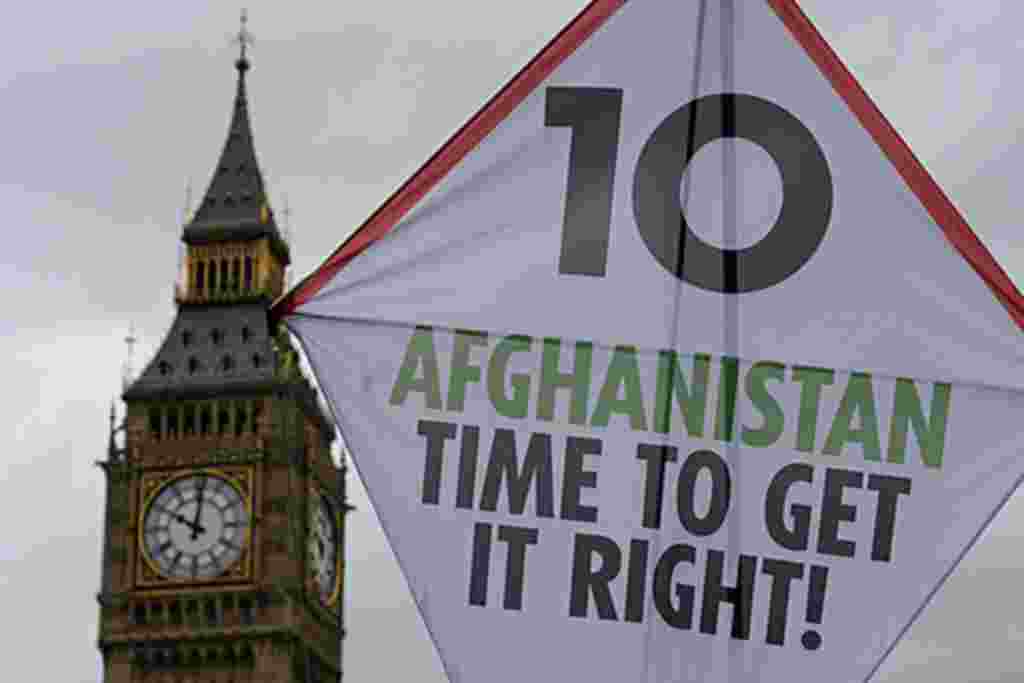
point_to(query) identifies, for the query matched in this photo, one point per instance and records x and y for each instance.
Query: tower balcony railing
(231, 295)
(167, 447)
(195, 612)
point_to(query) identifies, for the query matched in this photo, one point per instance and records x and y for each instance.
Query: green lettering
(859, 399)
(725, 419)
(622, 371)
(577, 381)
(420, 349)
(930, 432)
(462, 373)
(692, 404)
(757, 390)
(516, 406)
(811, 381)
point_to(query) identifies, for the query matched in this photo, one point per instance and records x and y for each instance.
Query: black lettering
(720, 493)
(636, 581)
(437, 433)
(834, 512)
(655, 458)
(783, 574)
(586, 581)
(806, 203)
(517, 539)
(503, 466)
(575, 478)
(682, 616)
(480, 567)
(889, 490)
(740, 596)
(469, 453)
(594, 115)
(796, 537)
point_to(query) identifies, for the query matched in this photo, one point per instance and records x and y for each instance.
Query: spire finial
(127, 369)
(286, 225)
(185, 217)
(244, 40)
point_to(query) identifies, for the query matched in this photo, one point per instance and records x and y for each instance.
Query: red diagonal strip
(452, 152)
(896, 149)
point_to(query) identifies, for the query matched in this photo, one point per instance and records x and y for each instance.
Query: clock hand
(199, 506)
(191, 525)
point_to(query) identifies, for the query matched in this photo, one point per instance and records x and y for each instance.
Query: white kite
(612, 433)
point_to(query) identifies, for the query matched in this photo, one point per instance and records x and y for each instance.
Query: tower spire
(236, 206)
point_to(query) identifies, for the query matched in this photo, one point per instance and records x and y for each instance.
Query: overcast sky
(109, 108)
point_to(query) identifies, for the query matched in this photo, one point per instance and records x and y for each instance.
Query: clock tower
(224, 525)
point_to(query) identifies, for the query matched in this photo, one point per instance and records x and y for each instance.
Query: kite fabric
(680, 368)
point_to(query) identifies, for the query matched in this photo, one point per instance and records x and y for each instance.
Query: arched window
(246, 335)
(188, 427)
(216, 336)
(172, 422)
(227, 363)
(205, 419)
(246, 611)
(212, 615)
(186, 338)
(257, 413)
(165, 368)
(257, 361)
(193, 365)
(200, 277)
(175, 613)
(155, 423)
(224, 275)
(248, 273)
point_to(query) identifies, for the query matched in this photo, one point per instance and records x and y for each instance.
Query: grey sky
(109, 107)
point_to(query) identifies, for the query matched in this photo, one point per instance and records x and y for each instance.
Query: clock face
(323, 548)
(196, 527)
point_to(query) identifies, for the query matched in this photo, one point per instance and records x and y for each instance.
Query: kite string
(656, 537)
(730, 269)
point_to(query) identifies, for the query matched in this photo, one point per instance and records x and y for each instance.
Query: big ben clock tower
(224, 539)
